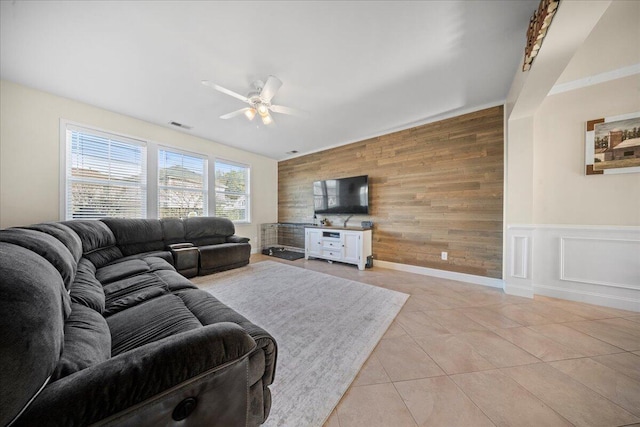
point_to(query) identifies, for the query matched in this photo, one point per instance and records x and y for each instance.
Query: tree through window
(182, 184)
(232, 191)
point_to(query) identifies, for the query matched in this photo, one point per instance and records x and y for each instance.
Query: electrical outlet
(444, 256)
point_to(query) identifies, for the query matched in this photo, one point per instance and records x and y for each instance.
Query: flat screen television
(342, 196)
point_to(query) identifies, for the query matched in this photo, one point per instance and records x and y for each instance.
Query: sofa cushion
(67, 236)
(47, 247)
(207, 230)
(131, 291)
(86, 289)
(165, 255)
(134, 236)
(98, 241)
(87, 341)
(31, 325)
(209, 310)
(130, 267)
(120, 270)
(149, 322)
(172, 230)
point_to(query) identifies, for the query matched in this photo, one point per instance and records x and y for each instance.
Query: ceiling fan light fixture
(250, 113)
(267, 120)
(259, 100)
(263, 110)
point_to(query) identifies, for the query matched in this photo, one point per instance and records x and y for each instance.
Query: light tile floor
(466, 355)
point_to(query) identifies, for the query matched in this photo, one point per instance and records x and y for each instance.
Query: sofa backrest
(208, 230)
(34, 305)
(48, 247)
(134, 236)
(67, 236)
(98, 241)
(173, 230)
(106, 240)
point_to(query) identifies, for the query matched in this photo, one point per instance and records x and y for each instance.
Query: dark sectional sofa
(98, 327)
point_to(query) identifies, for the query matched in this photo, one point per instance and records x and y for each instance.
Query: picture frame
(612, 145)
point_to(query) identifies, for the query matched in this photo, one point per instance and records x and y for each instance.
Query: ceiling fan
(259, 100)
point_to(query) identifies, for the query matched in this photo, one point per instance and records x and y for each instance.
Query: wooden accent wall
(432, 188)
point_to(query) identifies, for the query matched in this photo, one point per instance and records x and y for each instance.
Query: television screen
(341, 196)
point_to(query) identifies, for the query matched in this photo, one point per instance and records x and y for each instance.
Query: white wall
(570, 235)
(29, 156)
(562, 192)
(613, 44)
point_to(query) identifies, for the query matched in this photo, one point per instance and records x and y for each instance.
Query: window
(232, 191)
(182, 184)
(105, 175)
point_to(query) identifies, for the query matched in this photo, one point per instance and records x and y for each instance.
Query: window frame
(206, 178)
(152, 171)
(247, 193)
(65, 162)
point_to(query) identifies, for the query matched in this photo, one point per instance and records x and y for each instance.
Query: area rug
(326, 328)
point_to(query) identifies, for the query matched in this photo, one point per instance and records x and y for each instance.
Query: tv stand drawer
(332, 244)
(335, 254)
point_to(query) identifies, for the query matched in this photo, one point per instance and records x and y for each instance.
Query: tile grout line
(580, 332)
(597, 392)
(404, 402)
(580, 382)
(471, 400)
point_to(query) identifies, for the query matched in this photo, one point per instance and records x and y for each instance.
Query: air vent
(180, 125)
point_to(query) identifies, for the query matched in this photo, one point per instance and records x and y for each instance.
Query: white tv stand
(350, 245)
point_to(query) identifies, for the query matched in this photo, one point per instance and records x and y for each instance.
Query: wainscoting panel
(607, 262)
(433, 188)
(593, 264)
(520, 259)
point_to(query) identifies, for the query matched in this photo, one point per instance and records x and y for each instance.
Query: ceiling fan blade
(270, 88)
(286, 110)
(235, 113)
(225, 90)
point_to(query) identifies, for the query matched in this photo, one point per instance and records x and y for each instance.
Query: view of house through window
(232, 191)
(106, 175)
(182, 185)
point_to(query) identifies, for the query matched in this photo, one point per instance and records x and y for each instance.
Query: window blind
(106, 175)
(232, 191)
(182, 184)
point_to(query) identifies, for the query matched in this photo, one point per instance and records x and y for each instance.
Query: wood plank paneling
(433, 188)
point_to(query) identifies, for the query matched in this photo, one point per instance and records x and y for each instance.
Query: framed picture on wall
(612, 145)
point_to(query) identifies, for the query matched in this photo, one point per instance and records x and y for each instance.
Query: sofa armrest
(185, 258)
(179, 246)
(131, 378)
(237, 239)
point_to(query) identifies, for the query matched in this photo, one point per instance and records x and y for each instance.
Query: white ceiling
(359, 69)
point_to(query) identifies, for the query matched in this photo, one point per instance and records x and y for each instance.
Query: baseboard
(595, 298)
(443, 274)
(519, 291)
